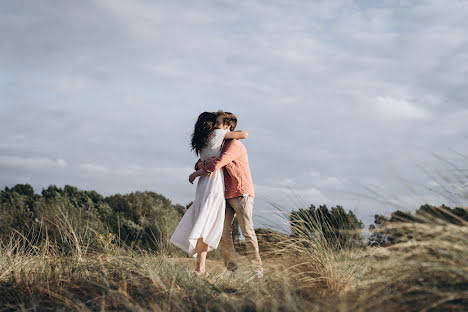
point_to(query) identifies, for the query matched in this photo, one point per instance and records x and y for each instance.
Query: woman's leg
(202, 249)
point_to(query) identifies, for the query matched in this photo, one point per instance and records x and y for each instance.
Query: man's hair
(229, 119)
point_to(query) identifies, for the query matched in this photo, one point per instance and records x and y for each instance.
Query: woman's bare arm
(239, 134)
(196, 174)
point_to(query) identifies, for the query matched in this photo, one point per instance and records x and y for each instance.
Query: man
(239, 196)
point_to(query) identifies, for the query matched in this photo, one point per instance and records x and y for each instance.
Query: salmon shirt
(235, 163)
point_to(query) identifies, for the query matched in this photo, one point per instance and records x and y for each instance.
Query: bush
(68, 218)
(399, 227)
(145, 220)
(340, 229)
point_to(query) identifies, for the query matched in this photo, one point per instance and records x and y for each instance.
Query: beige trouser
(242, 206)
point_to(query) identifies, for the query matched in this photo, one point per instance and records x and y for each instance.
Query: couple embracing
(224, 188)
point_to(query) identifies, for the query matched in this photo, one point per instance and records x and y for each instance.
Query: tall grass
(426, 271)
(300, 275)
(42, 277)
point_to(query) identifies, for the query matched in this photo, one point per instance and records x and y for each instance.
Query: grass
(426, 275)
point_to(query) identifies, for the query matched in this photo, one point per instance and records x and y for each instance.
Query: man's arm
(238, 134)
(230, 153)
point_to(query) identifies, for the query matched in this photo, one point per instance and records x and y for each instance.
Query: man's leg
(243, 207)
(226, 239)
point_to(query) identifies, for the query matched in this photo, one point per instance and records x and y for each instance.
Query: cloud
(31, 162)
(96, 168)
(290, 197)
(399, 108)
(315, 178)
(61, 162)
(148, 172)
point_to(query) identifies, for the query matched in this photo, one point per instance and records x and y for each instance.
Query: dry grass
(424, 275)
(428, 272)
(40, 280)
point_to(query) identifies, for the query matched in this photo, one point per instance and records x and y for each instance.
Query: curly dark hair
(203, 128)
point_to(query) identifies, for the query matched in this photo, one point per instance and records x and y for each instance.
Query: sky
(355, 103)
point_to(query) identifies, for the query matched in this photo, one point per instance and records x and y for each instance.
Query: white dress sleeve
(213, 148)
(218, 137)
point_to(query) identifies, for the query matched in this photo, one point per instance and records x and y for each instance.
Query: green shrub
(339, 228)
(68, 218)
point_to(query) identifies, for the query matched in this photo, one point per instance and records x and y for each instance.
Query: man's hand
(209, 162)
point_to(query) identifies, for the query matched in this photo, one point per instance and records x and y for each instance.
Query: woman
(201, 227)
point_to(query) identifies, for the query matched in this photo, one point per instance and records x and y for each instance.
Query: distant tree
(145, 219)
(180, 209)
(68, 217)
(428, 213)
(339, 228)
(269, 239)
(23, 189)
(51, 191)
(16, 209)
(388, 231)
(378, 232)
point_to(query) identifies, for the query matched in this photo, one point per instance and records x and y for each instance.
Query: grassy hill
(73, 250)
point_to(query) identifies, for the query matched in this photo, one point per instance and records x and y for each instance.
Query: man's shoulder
(234, 146)
(235, 143)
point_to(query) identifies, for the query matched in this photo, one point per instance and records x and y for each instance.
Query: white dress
(205, 218)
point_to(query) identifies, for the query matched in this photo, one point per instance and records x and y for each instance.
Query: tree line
(66, 217)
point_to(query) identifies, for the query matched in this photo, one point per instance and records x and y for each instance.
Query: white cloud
(139, 170)
(31, 162)
(61, 162)
(390, 107)
(316, 179)
(94, 168)
(290, 197)
(288, 182)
